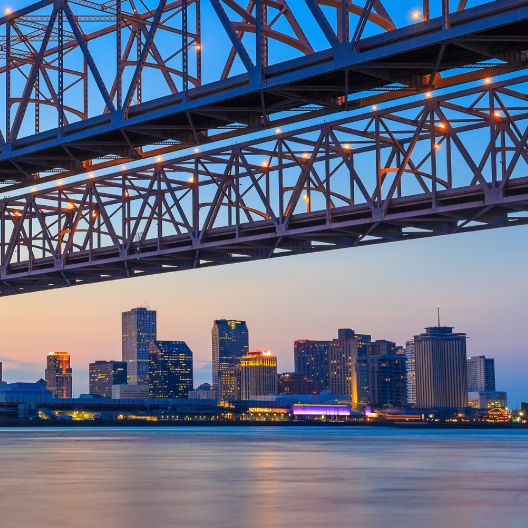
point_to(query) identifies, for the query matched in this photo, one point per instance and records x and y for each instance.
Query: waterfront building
(170, 369)
(441, 370)
(58, 374)
(488, 399)
(481, 373)
(130, 392)
(229, 383)
(104, 374)
(410, 367)
(296, 383)
(332, 364)
(258, 374)
(138, 329)
(204, 392)
(230, 341)
(381, 375)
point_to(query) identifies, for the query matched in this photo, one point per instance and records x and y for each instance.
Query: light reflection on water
(263, 478)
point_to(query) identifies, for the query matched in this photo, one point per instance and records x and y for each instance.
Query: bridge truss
(442, 165)
(81, 96)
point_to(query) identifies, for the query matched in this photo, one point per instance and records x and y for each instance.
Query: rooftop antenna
(438, 309)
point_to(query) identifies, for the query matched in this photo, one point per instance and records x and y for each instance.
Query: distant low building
(25, 392)
(296, 383)
(130, 392)
(104, 374)
(204, 392)
(486, 399)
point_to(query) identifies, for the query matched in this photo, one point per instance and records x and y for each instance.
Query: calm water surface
(263, 478)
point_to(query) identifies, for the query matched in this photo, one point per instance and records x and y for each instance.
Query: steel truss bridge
(407, 162)
(150, 79)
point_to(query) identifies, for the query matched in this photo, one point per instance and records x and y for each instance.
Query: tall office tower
(481, 373)
(410, 367)
(230, 343)
(139, 327)
(229, 383)
(332, 364)
(381, 375)
(59, 374)
(441, 371)
(258, 374)
(104, 374)
(170, 369)
(296, 383)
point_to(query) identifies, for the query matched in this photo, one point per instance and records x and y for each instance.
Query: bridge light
(277, 131)
(305, 155)
(264, 163)
(442, 125)
(34, 189)
(417, 15)
(94, 214)
(8, 11)
(487, 81)
(347, 146)
(159, 159)
(305, 197)
(17, 213)
(126, 193)
(437, 146)
(428, 94)
(59, 183)
(196, 150)
(374, 108)
(70, 206)
(497, 114)
(198, 47)
(123, 167)
(91, 175)
(191, 180)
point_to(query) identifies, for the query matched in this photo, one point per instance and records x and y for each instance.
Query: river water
(260, 477)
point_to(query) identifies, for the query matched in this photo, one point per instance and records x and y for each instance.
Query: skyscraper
(170, 369)
(481, 373)
(104, 374)
(258, 374)
(230, 343)
(441, 370)
(139, 327)
(410, 367)
(59, 374)
(332, 364)
(381, 375)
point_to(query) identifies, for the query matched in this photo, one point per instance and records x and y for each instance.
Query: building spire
(438, 309)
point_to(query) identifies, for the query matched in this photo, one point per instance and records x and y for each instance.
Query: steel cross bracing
(81, 97)
(443, 165)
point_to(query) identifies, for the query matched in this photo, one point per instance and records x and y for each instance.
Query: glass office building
(230, 343)
(139, 328)
(104, 374)
(170, 369)
(59, 374)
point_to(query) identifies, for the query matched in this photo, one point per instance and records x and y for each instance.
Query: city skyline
(494, 328)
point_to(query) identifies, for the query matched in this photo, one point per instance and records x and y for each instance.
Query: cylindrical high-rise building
(441, 371)
(59, 374)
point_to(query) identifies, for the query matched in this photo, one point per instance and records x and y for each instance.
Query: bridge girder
(52, 58)
(443, 165)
